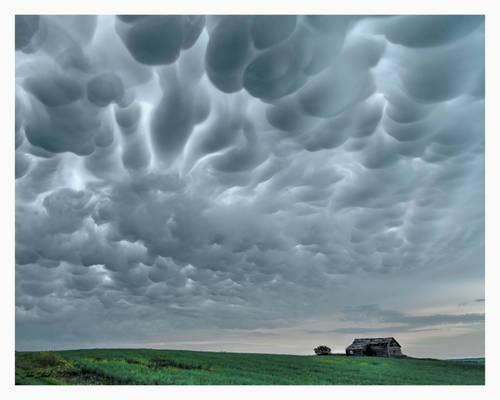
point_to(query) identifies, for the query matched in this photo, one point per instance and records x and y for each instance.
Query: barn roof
(362, 342)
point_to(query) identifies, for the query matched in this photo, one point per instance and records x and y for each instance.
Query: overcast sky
(256, 184)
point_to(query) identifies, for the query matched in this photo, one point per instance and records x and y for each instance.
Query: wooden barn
(378, 347)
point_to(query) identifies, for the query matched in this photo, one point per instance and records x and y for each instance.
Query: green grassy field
(178, 367)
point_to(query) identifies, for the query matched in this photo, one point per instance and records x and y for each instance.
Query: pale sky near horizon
(254, 184)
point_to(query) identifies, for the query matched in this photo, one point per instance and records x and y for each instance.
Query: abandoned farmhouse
(379, 347)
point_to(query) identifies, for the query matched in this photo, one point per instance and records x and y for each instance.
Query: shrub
(322, 350)
(45, 364)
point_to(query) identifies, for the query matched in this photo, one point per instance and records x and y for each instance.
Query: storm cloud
(213, 174)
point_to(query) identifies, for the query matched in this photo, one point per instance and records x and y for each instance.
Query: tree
(322, 350)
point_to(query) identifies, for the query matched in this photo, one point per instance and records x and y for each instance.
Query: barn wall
(355, 352)
(383, 349)
(380, 351)
(395, 351)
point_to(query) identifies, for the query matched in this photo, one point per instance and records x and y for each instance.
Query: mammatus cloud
(242, 172)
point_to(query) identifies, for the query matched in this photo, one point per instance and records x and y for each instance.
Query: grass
(180, 367)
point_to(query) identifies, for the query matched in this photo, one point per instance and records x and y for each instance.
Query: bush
(45, 364)
(322, 350)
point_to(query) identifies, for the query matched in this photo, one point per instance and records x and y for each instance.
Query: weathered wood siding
(394, 351)
(379, 347)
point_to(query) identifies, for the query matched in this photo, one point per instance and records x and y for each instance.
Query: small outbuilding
(378, 347)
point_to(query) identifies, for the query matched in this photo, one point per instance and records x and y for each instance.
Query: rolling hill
(181, 367)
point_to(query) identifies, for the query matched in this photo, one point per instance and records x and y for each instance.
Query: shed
(379, 347)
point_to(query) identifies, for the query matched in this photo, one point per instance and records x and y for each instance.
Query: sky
(250, 183)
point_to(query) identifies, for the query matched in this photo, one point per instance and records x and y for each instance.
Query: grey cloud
(66, 207)
(398, 321)
(104, 89)
(66, 128)
(273, 73)
(179, 110)
(217, 133)
(244, 156)
(328, 24)
(430, 30)
(268, 30)
(157, 40)
(287, 116)
(205, 174)
(26, 28)
(54, 89)
(228, 51)
(335, 90)
(402, 109)
(445, 72)
(128, 117)
(22, 164)
(388, 330)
